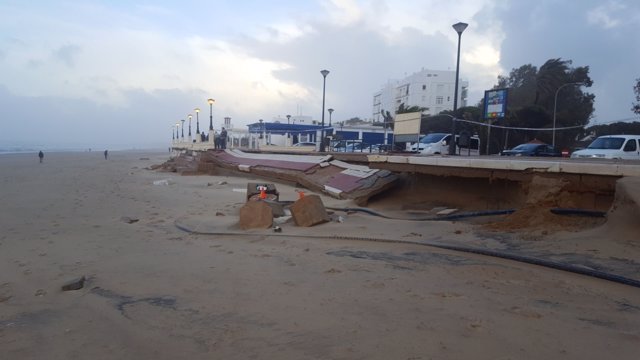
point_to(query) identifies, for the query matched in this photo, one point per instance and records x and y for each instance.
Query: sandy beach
(154, 291)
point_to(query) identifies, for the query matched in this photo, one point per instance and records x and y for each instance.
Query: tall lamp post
(330, 112)
(288, 117)
(210, 101)
(324, 83)
(459, 28)
(177, 132)
(182, 128)
(197, 110)
(190, 117)
(555, 102)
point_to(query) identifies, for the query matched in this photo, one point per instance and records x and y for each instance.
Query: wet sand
(156, 292)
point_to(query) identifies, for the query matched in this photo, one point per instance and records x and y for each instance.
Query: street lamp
(288, 117)
(459, 28)
(197, 110)
(211, 101)
(182, 128)
(190, 116)
(324, 83)
(330, 112)
(555, 102)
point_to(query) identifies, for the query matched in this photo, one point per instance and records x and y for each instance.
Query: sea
(34, 150)
(6, 150)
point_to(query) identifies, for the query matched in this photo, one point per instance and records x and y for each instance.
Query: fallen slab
(318, 173)
(309, 211)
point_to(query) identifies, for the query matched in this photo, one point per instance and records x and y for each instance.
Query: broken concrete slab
(75, 284)
(446, 212)
(309, 211)
(338, 179)
(256, 215)
(129, 220)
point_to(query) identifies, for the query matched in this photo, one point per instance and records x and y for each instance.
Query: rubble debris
(256, 215)
(162, 182)
(129, 220)
(262, 191)
(309, 211)
(446, 211)
(75, 284)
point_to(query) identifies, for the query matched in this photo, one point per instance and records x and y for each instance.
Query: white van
(438, 143)
(611, 147)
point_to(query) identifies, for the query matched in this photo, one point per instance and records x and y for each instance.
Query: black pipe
(486, 252)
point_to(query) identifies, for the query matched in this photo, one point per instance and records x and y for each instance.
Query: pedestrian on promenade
(106, 154)
(223, 138)
(41, 155)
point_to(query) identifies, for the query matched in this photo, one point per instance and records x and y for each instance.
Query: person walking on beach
(106, 153)
(41, 156)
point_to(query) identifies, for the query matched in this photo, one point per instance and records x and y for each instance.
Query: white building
(432, 89)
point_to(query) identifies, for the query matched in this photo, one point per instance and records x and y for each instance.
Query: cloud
(607, 15)
(66, 54)
(261, 60)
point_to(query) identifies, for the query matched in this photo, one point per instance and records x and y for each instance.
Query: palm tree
(550, 76)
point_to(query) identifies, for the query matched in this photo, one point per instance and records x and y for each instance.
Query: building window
(439, 100)
(448, 98)
(424, 87)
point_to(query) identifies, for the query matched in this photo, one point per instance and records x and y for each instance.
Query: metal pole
(555, 103)
(324, 83)
(197, 110)
(210, 101)
(488, 135)
(459, 28)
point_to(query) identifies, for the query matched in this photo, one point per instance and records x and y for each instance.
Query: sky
(119, 74)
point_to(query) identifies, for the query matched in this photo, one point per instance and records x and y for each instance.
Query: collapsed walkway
(322, 173)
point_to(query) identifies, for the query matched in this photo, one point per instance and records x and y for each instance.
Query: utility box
(254, 190)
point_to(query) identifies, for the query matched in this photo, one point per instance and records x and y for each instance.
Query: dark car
(309, 144)
(532, 150)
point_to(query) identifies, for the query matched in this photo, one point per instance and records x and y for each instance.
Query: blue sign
(495, 103)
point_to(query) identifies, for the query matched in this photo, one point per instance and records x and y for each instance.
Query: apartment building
(432, 89)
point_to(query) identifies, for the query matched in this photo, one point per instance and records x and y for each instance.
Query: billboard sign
(495, 103)
(406, 127)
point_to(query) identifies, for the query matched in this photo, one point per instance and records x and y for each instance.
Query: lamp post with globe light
(210, 101)
(197, 110)
(459, 28)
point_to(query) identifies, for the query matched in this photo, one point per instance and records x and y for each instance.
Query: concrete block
(75, 284)
(309, 211)
(256, 215)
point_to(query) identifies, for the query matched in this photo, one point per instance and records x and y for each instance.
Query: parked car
(304, 144)
(611, 147)
(531, 149)
(438, 143)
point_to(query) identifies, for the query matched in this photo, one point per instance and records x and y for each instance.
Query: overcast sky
(120, 73)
